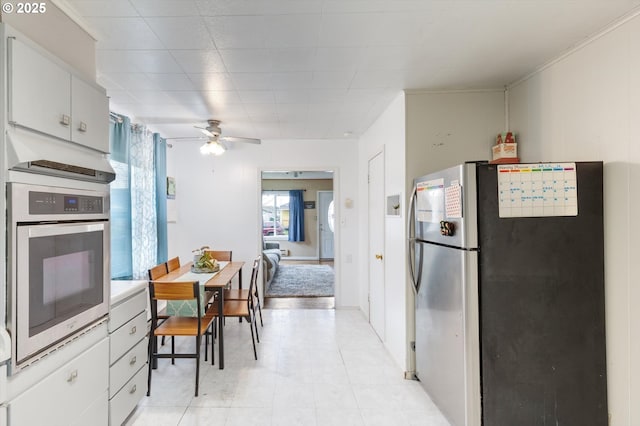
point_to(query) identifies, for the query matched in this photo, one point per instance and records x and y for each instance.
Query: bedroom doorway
(298, 270)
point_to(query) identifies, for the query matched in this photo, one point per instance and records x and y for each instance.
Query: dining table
(215, 283)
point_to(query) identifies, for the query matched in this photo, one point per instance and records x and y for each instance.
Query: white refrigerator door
(447, 336)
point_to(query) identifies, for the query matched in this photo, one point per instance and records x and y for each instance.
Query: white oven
(59, 268)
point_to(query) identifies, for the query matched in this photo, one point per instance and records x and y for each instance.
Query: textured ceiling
(315, 69)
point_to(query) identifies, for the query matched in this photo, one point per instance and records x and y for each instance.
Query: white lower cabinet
(82, 382)
(96, 413)
(123, 403)
(128, 354)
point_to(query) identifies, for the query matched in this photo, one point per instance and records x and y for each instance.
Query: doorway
(298, 254)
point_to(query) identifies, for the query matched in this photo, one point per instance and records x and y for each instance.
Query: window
(275, 214)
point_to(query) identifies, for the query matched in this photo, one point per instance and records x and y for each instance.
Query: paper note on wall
(430, 201)
(537, 190)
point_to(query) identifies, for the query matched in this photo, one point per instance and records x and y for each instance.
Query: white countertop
(122, 289)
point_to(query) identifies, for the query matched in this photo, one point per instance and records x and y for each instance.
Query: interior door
(376, 245)
(325, 227)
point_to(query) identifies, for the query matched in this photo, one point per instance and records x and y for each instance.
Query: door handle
(378, 256)
(411, 246)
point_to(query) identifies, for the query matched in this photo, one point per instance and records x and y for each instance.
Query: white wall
(586, 106)
(445, 129)
(388, 134)
(218, 199)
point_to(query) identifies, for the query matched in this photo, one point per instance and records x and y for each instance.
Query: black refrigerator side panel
(542, 318)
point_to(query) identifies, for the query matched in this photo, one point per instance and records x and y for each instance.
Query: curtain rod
(116, 117)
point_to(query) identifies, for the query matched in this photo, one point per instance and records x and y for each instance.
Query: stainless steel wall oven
(59, 269)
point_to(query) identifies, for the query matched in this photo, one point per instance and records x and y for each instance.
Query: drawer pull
(65, 120)
(72, 376)
(133, 361)
(133, 389)
(82, 127)
(133, 330)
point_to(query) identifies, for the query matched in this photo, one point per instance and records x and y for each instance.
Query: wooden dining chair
(244, 294)
(245, 308)
(158, 271)
(221, 255)
(173, 264)
(155, 273)
(175, 325)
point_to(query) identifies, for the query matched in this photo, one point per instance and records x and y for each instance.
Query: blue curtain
(160, 160)
(296, 215)
(135, 154)
(121, 241)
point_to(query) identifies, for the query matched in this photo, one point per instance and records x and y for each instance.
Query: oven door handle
(35, 231)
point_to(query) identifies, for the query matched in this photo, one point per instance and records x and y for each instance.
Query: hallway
(315, 367)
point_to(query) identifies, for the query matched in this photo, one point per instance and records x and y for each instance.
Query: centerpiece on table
(203, 263)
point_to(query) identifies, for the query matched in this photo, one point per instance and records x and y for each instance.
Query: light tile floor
(315, 367)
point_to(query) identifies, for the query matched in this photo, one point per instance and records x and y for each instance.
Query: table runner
(187, 308)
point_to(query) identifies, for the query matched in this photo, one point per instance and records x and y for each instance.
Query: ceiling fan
(215, 143)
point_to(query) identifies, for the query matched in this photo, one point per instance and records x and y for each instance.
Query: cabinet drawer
(55, 400)
(127, 366)
(125, 401)
(126, 310)
(128, 336)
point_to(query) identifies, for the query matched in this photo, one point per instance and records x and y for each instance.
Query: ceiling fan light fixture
(212, 147)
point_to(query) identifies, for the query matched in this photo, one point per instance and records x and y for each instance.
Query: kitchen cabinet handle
(133, 330)
(82, 127)
(65, 120)
(72, 376)
(379, 256)
(133, 390)
(133, 361)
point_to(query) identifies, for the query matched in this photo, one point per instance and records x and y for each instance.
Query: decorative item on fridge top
(505, 150)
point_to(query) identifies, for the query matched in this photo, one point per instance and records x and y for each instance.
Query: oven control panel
(55, 203)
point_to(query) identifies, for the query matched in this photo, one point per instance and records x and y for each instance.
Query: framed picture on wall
(171, 188)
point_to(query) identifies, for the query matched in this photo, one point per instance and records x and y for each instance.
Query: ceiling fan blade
(205, 131)
(236, 139)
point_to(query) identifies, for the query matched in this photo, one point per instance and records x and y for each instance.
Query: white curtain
(143, 201)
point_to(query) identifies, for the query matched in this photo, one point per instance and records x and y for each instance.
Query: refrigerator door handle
(411, 242)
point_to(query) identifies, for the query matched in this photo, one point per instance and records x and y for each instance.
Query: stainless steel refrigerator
(507, 263)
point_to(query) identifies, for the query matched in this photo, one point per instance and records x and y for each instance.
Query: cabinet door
(97, 414)
(62, 397)
(39, 91)
(89, 115)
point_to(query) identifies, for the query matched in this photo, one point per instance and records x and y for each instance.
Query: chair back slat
(254, 278)
(173, 264)
(175, 290)
(158, 271)
(221, 255)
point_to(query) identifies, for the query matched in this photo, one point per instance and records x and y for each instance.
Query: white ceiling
(317, 68)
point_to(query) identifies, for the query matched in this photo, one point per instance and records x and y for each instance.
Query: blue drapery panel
(296, 215)
(160, 160)
(121, 241)
(120, 139)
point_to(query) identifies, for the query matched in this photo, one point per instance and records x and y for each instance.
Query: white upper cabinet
(89, 115)
(39, 91)
(46, 97)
